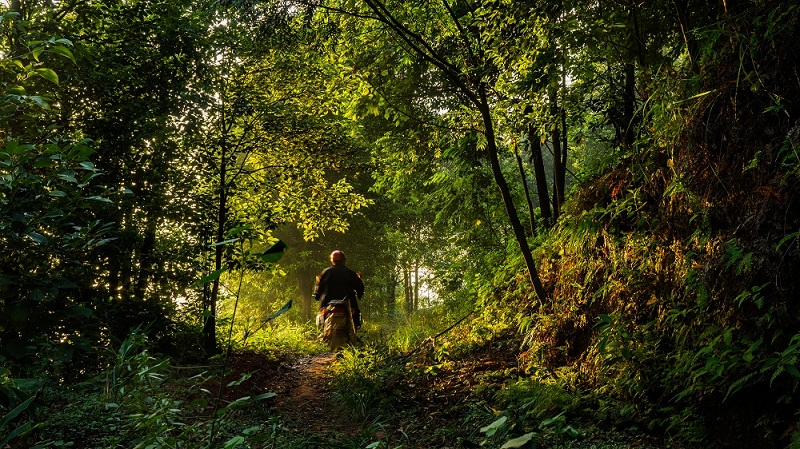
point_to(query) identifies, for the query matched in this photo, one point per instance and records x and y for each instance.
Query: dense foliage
(606, 189)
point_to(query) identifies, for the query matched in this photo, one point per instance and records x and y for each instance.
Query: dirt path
(302, 383)
(306, 395)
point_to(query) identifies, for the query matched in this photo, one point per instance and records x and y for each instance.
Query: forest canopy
(613, 184)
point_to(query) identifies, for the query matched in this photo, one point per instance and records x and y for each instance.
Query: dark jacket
(339, 282)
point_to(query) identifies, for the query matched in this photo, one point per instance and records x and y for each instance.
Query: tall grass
(279, 336)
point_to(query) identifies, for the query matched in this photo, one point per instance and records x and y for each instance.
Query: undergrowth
(141, 401)
(673, 285)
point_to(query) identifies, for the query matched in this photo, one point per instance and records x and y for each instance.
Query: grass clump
(364, 379)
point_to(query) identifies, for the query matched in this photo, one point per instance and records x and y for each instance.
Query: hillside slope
(674, 277)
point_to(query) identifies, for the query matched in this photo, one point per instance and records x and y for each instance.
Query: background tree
(51, 209)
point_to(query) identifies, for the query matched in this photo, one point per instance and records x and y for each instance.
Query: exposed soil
(434, 408)
(306, 404)
(301, 383)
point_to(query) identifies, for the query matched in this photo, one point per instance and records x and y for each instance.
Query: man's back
(339, 282)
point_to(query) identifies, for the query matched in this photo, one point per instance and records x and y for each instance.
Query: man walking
(338, 291)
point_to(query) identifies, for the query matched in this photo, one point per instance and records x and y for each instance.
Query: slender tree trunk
(558, 169)
(564, 139)
(13, 37)
(476, 92)
(408, 294)
(416, 286)
(306, 275)
(528, 198)
(629, 107)
(629, 102)
(684, 20)
(391, 298)
(210, 323)
(145, 272)
(505, 194)
(537, 159)
(125, 258)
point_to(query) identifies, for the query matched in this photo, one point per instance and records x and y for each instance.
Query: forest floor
(440, 408)
(423, 400)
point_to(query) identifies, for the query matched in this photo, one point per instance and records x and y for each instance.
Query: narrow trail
(438, 409)
(306, 396)
(304, 402)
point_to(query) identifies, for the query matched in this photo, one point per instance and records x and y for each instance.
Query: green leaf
(786, 239)
(224, 242)
(38, 238)
(43, 162)
(280, 312)
(47, 74)
(791, 369)
(63, 51)
(238, 230)
(210, 277)
(518, 441)
(495, 426)
(14, 413)
(274, 252)
(55, 213)
(100, 198)
(234, 442)
(21, 430)
(68, 176)
(36, 52)
(10, 15)
(263, 396)
(80, 311)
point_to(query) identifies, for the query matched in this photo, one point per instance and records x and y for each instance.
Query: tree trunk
(476, 92)
(416, 286)
(210, 314)
(684, 20)
(145, 272)
(306, 275)
(505, 194)
(408, 294)
(528, 199)
(558, 168)
(564, 139)
(537, 159)
(629, 107)
(391, 298)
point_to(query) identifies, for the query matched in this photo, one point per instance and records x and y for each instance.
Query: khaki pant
(337, 326)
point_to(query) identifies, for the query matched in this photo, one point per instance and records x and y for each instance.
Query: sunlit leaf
(280, 312)
(36, 52)
(519, 441)
(238, 230)
(63, 51)
(47, 74)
